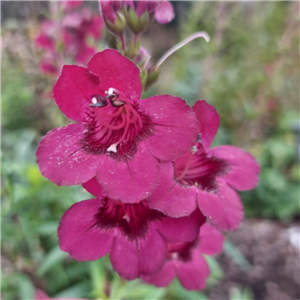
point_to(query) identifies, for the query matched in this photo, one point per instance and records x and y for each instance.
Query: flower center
(114, 126)
(131, 219)
(200, 169)
(181, 251)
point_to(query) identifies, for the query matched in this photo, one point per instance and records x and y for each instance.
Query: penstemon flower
(136, 14)
(119, 138)
(185, 260)
(67, 38)
(135, 235)
(207, 177)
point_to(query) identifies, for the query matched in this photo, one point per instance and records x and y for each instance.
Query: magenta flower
(163, 10)
(185, 261)
(118, 138)
(135, 235)
(68, 37)
(207, 177)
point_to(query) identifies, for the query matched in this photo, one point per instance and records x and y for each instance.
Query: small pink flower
(164, 13)
(118, 138)
(185, 261)
(163, 10)
(135, 235)
(68, 38)
(207, 177)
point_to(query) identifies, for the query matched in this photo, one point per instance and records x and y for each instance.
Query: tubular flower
(135, 235)
(136, 14)
(68, 37)
(207, 177)
(185, 261)
(119, 138)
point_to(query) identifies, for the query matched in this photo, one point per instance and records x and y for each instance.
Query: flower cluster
(67, 38)
(162, 196)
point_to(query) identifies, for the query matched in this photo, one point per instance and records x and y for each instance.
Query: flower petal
(93, 187)
(131, 258)
(163, 277)
(117, 71)
(61, 158)
(192, 274)
(78, 234)
(152, 251)
(175, 126)
(171, 198)
(124, 257)
(164, 13)
(244, 170)
(73, 91)
(132, 180)
(224, 209)
(183, 229)
(211, 240)
(209, 122)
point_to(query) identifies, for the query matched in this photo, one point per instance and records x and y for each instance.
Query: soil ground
(275, 262)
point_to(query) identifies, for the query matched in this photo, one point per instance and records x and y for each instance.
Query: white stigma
(112, 148)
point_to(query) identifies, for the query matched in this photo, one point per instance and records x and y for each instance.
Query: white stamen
(94, 100)
(112, 148)
(126, 218)
(111, 91)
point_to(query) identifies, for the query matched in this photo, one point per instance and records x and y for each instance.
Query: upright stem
(123, 41)
(200, 34)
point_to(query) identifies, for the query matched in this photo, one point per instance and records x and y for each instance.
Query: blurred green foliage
(248, 72)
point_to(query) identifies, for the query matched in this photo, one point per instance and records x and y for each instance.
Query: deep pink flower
(40, 295)
(119, 138)
(135, 235)
(185, 260)
(68, 37)
(207, 177)
(163, 10)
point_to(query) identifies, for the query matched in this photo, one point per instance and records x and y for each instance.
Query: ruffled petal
(192, 274)
(117, 71)
(175, 126)
(211, 240)
(209, 122)
(79, 235)
(183, 229)
(131, 258)
(163, 277)
(164, 13)
(224, 209)
(61, 158)
(244, 170)
(132, 180)
(171, 198)
(93, 187)
(73, 91)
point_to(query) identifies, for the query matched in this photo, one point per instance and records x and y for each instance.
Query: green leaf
(54, 257)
